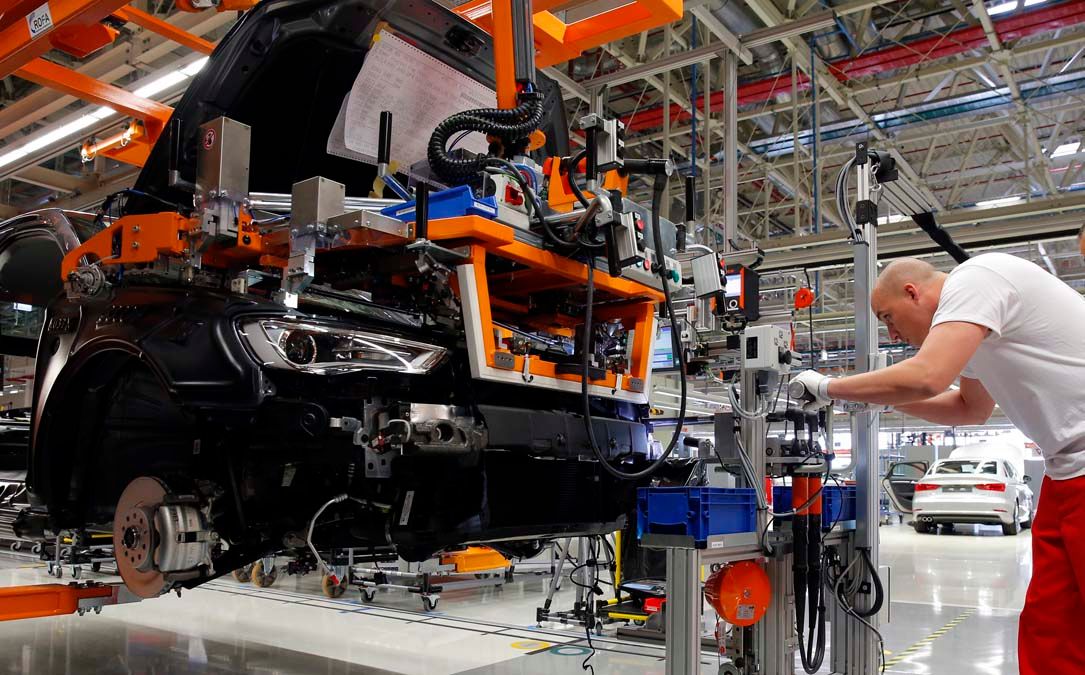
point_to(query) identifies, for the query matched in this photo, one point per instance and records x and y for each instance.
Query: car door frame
(899, 503)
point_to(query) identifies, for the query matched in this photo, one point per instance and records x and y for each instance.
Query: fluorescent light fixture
(22, 307)
(1002, 201)
(1066, 149)
(99, 113)
(690, 398)
(195, 67)
(59, 133)
(1002, 8)
(161, 84)
(1030, 3)
(102, 112)
(894, 218)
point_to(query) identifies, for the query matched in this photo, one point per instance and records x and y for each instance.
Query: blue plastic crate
(837, 503)
(450, 203)
(698, 512)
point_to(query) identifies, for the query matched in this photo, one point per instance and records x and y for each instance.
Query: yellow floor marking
(924, 642)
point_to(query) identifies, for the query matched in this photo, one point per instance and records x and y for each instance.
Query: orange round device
(804, 297)
(739, 592)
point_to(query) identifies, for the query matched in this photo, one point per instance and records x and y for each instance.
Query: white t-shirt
(1033, 360)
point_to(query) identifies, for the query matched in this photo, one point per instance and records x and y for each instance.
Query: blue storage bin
(450, 203)
(837, 503)
(698, 512)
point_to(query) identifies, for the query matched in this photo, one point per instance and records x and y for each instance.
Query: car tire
(1014, 526)
(922, 528)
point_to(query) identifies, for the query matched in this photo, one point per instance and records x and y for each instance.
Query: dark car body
(163, 380)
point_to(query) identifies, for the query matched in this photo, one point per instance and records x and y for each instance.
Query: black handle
(691, 441)
(591, 164)
(384, 142)
(175, 144)
(691, 190)
(421, 211)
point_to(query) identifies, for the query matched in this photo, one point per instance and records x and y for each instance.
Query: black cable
(584, 665)
(571, 171)
(658, 188)
(810, 322)
(512, 125)
(875, 579)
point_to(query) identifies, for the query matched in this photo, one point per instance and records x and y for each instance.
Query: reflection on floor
(955, 604)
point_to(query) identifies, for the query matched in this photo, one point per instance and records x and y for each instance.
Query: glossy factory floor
(955, 604)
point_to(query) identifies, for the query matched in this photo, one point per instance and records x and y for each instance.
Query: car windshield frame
(979, 467)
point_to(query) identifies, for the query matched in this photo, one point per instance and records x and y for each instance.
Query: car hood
(284, 70)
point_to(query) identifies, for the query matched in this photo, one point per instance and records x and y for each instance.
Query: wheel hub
(152, 539)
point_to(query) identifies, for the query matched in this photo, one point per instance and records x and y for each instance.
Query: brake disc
(135, 537)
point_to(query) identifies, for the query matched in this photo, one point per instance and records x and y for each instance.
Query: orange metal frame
(29, 602)
(141, 239)
(165, 29)
(557, 41)
(76, 29)
(547, 270)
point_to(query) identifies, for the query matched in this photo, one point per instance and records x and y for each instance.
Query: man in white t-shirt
(1015, 336)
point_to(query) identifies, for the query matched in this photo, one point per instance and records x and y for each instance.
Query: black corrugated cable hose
(658, 188)
(512, 125)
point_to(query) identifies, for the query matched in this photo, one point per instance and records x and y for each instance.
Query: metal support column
(863, 645)
(730, 149)
(683, 612)
(773, 645)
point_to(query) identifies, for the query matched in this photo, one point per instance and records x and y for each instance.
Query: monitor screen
(663, 353)
(733, 289)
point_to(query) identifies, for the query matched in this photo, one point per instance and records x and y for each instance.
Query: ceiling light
(894, 218)
(22, 307)
(99, 113)
(102, 112)
(1066, 149)
(59, 133)
(1002, 8)
(1002, 201)
(195, 67)
(1030, 3)
(689, 398)
(161, 84)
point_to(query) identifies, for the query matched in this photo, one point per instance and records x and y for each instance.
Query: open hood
(285, 69)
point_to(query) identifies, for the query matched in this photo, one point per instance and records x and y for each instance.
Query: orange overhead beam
(153, 114)
(165, 29)
(556, 41)
(19, 45)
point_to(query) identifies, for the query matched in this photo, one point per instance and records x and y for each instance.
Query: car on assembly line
(244, 419)
(980, 490)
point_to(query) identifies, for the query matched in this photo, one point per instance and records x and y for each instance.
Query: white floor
(974, 579)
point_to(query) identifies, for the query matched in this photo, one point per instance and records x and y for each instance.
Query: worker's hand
(812, 389)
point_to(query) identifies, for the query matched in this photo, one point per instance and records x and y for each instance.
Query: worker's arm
(969, 405)
(940, 360)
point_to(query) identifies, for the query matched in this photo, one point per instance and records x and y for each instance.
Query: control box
(766, 348)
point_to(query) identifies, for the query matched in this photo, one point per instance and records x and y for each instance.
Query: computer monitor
(663, 356)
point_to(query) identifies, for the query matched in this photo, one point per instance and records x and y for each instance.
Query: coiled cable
(512, 125)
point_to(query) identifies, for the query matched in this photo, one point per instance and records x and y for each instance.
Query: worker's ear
(912, 291)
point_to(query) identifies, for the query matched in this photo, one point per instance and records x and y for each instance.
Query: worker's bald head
(906, 297)
(903, 271)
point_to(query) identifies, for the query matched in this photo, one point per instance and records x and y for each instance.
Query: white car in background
(981, 490)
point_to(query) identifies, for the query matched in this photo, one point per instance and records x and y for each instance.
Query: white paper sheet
(420, 91)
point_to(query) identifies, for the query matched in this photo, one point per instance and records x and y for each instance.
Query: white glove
(812, 389)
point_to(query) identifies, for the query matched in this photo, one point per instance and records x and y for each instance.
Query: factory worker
(1014, 335)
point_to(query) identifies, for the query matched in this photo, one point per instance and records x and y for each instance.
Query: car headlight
(332, 350)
